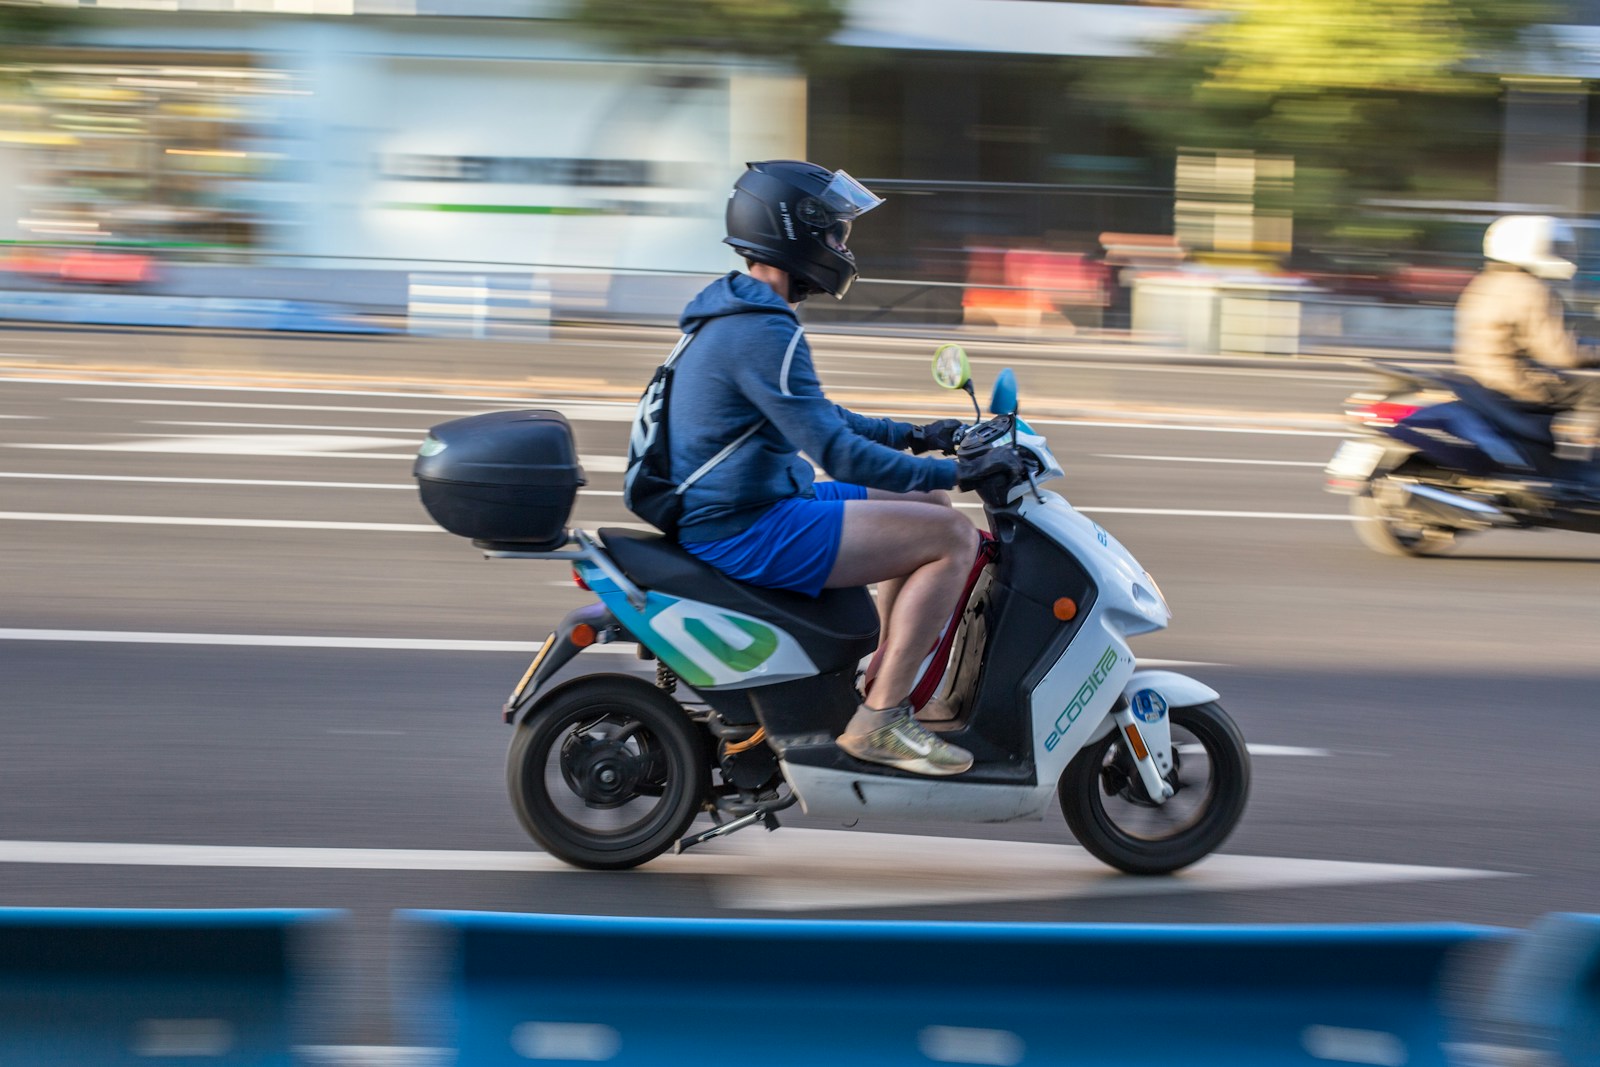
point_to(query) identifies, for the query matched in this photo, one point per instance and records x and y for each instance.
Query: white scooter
(608, 770)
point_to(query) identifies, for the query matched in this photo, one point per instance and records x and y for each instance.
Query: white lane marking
(417, 527)
(416, 644)
(800, 869)
(318, 446)
(278, 524)
(280, 483)
(21, 416)
(626, 407)
(410, 644)
(241, 444)
(210, 481)
(1286, 750)
(1260, 750)
(411, 430)
(177, 520)
(456, 412)
(1132, 424)
(281, 453)
(1213, 459)
(1312, 516)
(578, 410)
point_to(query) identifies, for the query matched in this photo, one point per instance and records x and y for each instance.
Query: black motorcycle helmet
(796, 216)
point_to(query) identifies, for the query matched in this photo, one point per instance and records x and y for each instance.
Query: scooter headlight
(1153, 595)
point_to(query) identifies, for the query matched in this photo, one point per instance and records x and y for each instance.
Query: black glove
(939, 435)
(997, 470)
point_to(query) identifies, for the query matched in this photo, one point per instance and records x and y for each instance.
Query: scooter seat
(1528, 422)
(836, 629)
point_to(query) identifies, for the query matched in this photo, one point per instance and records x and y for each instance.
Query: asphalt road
(1413, 719)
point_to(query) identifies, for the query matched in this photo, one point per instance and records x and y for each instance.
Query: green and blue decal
(706, 646)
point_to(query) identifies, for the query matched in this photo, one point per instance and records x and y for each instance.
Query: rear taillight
(1384, 412)
(577, 579)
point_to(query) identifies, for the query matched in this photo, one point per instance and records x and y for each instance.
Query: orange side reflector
(1136, 741)
(582, 635)
(1066, 609)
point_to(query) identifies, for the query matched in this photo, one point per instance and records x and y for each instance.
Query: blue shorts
(793, 546)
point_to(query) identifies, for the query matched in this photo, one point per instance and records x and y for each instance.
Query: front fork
(1147, 731)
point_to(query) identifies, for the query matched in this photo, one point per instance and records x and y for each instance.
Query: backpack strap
(727, 450)
(677, 349)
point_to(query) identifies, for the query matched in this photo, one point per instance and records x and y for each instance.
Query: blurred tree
(785, 29)
(1369, 97)
(25, 22)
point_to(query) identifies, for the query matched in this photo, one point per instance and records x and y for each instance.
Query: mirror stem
(977, 411)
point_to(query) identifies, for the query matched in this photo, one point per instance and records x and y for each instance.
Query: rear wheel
(1391, 532)
(1112, 815)
(608, 773)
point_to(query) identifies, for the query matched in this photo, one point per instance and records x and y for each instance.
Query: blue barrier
(217, 313)
(1548, 993)
(662, 992)
(106, 988)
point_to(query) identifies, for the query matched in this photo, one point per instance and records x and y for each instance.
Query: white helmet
(1539, 244)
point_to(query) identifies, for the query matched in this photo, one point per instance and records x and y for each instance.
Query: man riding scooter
(1511, 335)
(746, 402)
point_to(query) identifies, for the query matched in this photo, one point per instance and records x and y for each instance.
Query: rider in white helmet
(1511, 332)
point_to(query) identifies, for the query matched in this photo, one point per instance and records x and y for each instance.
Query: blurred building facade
(452, 139)
(481, 135)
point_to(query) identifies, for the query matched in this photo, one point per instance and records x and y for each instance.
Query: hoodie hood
(733, 294)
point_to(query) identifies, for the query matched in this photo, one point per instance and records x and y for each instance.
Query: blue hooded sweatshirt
(749, 361)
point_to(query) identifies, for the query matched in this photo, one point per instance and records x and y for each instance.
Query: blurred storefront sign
(1029, 288)
(124, 151)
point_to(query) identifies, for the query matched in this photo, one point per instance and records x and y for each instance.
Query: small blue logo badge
(1148, 706)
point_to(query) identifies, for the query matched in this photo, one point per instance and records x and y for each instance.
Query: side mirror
(1003, 401)
(951, 368)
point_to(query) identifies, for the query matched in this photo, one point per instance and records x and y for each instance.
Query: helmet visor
(845, 198)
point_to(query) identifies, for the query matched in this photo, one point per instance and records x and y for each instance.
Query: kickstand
(766, 816)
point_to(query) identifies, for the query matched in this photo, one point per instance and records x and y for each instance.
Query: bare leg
(929, 547)
(889, 589)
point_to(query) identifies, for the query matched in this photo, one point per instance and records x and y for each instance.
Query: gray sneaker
(905, 744)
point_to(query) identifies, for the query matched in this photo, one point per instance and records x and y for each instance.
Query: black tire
(615, 748)
(1389, 533)
(1101, 784)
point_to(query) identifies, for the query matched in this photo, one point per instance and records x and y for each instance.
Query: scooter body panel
(709, 647)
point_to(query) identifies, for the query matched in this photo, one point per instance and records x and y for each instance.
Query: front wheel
(607, 772)
(1112, 815)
